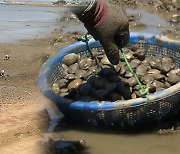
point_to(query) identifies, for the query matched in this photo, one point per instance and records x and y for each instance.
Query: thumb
(111, 50)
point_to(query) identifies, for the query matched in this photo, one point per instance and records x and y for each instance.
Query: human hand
(107, 23)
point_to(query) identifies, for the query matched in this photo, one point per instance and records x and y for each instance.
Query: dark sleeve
(81, 6)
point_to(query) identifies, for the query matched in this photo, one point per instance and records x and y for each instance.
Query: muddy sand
(23, 116)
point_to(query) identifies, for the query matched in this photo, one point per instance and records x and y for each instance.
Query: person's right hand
(109, 24)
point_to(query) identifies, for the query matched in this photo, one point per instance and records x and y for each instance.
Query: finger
(111, 50)
(122, 37)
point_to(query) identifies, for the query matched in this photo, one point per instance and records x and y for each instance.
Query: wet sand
(23, 114)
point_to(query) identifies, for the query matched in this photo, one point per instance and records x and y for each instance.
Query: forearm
(106, 22)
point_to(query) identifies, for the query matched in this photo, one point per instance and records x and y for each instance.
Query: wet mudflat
(99, 141)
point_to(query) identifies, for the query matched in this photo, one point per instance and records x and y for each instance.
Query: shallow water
(26, 22)
(4, 88)
(19, 22)
(113, 143)
(154, 23)
(28, 0)
(104, 141)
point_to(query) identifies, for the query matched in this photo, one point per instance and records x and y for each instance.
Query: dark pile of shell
(85, 78)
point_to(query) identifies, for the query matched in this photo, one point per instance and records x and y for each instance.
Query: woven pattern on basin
(120, 113)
